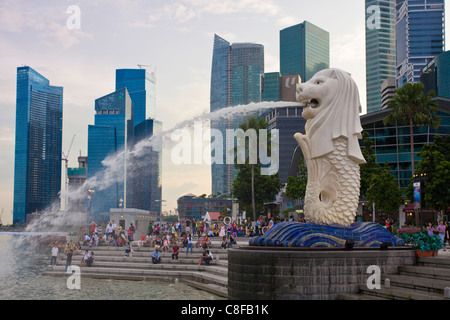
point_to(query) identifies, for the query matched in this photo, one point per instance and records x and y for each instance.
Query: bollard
(387, 283)
(447, 293)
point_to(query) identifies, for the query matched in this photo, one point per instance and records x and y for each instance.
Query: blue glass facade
(123, 118)
(236, 77)
(436, 75)
(392, 142)
(419, 37)
(37, 168)
(111, 133)
(272, 87)
(141, 86)
(380, 51)
(304, 50)
(147, 184)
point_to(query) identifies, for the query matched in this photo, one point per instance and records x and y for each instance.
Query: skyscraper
(436, 75)
(112, 133)
(236, 74)
(419, 37)
(37, 168)
(141, 86)
(122, 119)
(304, 50)
(380, 48)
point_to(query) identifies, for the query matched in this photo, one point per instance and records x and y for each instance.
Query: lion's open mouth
(312, 103)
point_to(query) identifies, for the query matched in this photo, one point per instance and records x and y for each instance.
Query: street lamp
(89, 197)
(160, 208)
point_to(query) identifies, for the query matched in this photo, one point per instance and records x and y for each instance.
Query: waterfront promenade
(426, 280)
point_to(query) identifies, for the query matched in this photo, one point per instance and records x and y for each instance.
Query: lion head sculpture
(332, 108)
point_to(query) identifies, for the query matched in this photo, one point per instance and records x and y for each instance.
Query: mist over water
(23, 260)
(55, 220)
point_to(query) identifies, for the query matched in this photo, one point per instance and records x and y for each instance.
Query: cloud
(186, 10)
(46, 24)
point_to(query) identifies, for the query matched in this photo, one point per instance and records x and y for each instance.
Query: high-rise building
(387, 92)
(147, 185)
(304, 50)
(123, 118)
(141, 86)
(380, 49)
(37, 168)
(271, 86)
(76, 179)
(112, 133)
(236, 76)
(436, 75)
(419, 37)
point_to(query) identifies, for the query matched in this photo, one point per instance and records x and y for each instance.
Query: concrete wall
(302, 274)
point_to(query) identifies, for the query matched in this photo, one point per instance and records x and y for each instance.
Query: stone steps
(213, 268)
(426, 280)
(400, 293)
(198, 274)
(111, 263)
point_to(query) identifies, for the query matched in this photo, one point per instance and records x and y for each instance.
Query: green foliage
(422, 241)
(410, 106)
(296, 186)
(371, 167)
(384, 191)
(250, 187)
(266, 187)
(435, 167)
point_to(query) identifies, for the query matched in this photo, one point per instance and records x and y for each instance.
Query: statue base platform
(307, 235)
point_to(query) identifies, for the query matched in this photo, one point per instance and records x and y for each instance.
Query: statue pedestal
(307, 235)
(277, 273)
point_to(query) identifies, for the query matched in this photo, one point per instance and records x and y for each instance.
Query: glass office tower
(236, 74)
(419, 37)
(304, 50)
(141, 86)
(37, 167)
(112, 133)
(380, 49)
(436, 75)
(272, 86)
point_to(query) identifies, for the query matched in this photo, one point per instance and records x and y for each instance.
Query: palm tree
(410, 106)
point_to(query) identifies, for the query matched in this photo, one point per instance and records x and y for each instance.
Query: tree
(296, 186)
(410, 106)
(371, 167)
(385, 191)
(268, 186)
(252, 194)
(435, 166)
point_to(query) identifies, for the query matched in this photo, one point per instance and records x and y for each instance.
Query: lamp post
(89, 197)
(419, 180)
(160, 208)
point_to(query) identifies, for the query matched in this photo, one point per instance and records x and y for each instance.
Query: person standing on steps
(69, 259)
(189, 243)
(55, 251)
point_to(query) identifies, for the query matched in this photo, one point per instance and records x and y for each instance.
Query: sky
(173, 37)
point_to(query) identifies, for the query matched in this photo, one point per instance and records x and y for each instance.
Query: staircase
(111, 263)
(426, 280)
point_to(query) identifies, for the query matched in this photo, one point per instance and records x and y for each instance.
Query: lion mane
(339, 118)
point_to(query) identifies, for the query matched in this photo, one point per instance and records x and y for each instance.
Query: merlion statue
(330, 147)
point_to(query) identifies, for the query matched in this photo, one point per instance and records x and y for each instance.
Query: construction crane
(65, 157)
(143, 65)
